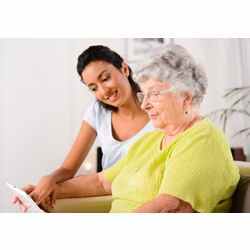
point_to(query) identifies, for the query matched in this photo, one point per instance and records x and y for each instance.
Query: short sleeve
(199, 173)
(90, 115)
(112, 172)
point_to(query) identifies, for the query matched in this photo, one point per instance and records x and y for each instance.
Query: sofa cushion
(98, 204)
(241, 197)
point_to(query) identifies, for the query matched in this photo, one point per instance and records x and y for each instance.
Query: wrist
(59, 193)
(49, 178)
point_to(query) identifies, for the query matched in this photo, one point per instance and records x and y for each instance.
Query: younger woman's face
(109, 84)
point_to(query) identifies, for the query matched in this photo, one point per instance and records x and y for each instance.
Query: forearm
(165, 204)
(149, 207)
(81, 186)
(76, 155)
(62, 174)
(154, 206)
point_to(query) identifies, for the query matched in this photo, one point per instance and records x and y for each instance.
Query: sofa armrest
(98, 204)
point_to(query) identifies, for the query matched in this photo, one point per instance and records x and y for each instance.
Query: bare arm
(45, 189)
(165, 204)
(84, 186)
(77, 154)
(71, 164)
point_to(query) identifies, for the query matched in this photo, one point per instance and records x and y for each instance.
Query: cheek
(115, 81)
(124, 86)
(169, 110)
(163, 108)
(98, 97)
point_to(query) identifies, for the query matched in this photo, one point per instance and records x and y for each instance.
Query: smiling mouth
(153, 116)
(112, 97)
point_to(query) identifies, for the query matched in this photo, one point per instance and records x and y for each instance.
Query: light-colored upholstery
(99, 204)
(243, 164)
(102, 204)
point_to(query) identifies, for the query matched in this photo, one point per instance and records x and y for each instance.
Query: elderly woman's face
(165, 108)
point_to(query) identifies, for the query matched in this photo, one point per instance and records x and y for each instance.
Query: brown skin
(45, 189)
(111, 86)
(103, 79)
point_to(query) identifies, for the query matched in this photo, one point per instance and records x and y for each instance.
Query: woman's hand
(44, 192)
(45, 205)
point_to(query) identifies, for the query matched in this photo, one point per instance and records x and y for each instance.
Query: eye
(155, 93)
(105, 78)
(92, 88)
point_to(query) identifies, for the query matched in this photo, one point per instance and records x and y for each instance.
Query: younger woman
(115, 118)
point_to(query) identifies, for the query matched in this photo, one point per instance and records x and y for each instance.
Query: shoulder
(202, 139)
(96, 115)
(204, 130)
(95, 111)
(98, 108)
(202, 142)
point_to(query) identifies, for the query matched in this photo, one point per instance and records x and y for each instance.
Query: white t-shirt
(100, 119)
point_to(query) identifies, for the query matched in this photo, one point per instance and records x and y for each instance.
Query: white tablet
(25, 198)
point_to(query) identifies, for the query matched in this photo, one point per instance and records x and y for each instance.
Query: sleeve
(91, 114)
(196, 173)
(112, 172)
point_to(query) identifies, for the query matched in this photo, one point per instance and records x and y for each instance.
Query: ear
(125, 69)
(187, 99)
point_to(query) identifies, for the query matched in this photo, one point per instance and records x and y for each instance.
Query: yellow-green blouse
(196, 167)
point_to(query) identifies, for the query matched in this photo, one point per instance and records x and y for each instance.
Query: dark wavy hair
(103, 53)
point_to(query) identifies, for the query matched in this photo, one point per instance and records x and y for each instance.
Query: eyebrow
(153, 88)
(99, 77)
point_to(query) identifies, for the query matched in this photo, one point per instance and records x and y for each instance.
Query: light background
(71, 19)
(44, 100)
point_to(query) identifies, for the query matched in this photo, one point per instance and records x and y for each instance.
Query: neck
(174, 130)
(131, 108)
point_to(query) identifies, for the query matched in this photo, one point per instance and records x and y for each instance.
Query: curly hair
(175, 65)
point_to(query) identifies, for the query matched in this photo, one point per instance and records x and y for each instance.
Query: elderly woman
(183, 166)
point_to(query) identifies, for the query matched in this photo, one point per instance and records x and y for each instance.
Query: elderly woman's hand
(165, 203)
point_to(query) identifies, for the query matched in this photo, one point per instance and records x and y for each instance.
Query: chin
(157, 124)
(119, 103)
(113, 104)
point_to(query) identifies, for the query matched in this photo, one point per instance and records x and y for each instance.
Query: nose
(145, 105)
(103, 91)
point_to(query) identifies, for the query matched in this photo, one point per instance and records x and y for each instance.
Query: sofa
(102, 204)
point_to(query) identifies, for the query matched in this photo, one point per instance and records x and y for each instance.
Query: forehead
(94, 69)
(152, 84)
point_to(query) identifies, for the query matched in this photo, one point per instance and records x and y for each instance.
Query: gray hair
(175, 65)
